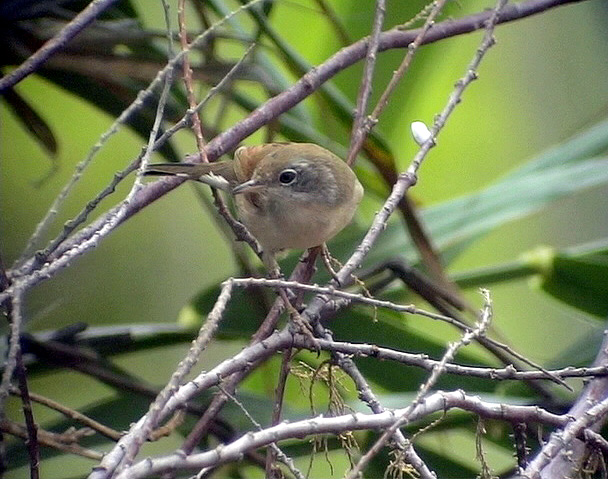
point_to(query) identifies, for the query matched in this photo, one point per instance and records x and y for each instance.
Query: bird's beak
(248, 186)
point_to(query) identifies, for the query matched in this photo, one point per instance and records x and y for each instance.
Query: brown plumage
(289, 195)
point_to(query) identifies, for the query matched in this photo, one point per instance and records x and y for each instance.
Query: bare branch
(437, 402)
(15, 321)
(404, 418)
(61, 442)
(31, 426)
(277, 408)
(561, 441)
(72, 414)
(424, 362)
(360, 128)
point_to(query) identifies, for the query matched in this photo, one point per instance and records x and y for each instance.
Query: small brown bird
(289, 195)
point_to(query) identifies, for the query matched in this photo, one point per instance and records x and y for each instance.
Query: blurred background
(544, 82)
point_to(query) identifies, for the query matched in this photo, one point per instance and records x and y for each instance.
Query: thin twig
(73, 414)
(54, 440)
(424, 362)
(360, 126)
(277, 407)
(187, 71)
(31, 426)
(278, 453)
(437, 402)
(201, 427)
(437, 371)
(423, 13)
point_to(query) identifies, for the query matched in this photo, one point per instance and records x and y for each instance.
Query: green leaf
(242, 317)
(32, 121)
(583, 352)
(513, 198)
(589, 143)
(456, 223)
(391, 330)
(579, 280)
(561, 171)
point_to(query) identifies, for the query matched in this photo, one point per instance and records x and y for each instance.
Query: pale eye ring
(288, 176)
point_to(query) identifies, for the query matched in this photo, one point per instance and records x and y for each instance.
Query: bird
(289, 195)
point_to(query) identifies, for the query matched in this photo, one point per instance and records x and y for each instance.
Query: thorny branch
(434, 403)
(360, 125)
(176, 393)
(436, 372)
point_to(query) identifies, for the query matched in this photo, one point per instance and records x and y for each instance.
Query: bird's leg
(274, 272)
(303, 326)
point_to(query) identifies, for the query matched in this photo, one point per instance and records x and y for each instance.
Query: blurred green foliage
(522, 163)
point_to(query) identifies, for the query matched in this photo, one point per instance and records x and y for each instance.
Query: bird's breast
(277, 226)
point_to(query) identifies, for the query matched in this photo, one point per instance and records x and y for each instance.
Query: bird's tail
(185, 170)
(220, 175)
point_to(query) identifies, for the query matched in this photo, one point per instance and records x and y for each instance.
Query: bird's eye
(287, 177)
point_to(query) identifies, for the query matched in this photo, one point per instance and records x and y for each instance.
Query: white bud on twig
(420, 132)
